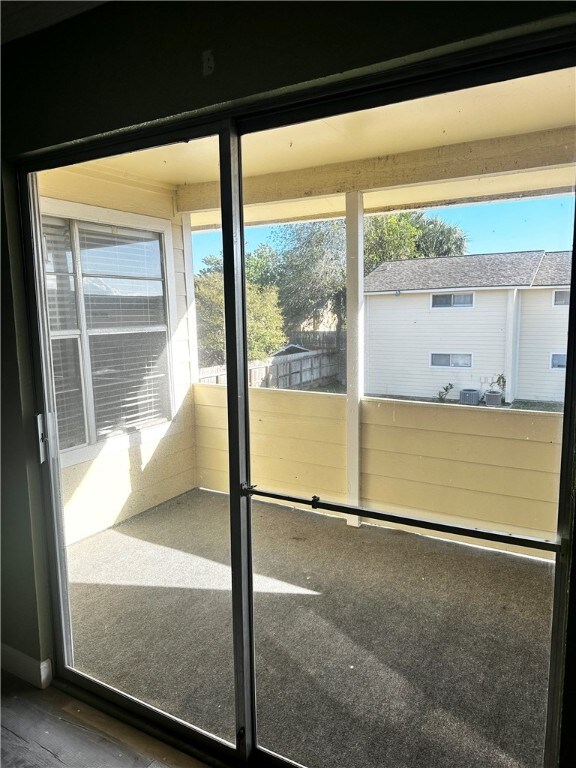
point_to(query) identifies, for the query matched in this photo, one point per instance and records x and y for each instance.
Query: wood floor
(49, 729)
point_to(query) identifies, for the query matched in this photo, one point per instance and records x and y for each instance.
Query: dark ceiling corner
(23, 17)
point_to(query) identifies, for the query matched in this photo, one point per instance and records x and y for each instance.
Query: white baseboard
(37, 673)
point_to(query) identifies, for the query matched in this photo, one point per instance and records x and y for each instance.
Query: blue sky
(500, 226)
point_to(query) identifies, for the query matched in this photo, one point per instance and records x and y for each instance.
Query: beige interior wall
(491, 468)
(128, 476)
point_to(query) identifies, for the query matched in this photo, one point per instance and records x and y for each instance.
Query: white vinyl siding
(543, 332)
(402, 331)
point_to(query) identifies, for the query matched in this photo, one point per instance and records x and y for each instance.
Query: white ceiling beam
(507, 154)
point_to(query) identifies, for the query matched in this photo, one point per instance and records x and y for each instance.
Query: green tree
(387, 238)
(308, 261)
(264, 319)
(262, 265)
(302, 271)
(409, 235)
(209, 292)
(312, 270)
(439, 239)
(264, 323)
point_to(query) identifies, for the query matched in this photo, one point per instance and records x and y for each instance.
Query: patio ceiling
(504, 139)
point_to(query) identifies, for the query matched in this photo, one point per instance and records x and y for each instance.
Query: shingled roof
(485, 270)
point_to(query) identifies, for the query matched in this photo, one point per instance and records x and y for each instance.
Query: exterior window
(450, 360)
(561, 298)
(452, 300)
(558, 360)
(106, 300)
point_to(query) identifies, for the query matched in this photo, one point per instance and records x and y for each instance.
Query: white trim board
(37, 673)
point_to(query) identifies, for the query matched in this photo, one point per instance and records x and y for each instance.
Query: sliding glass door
(407, 291)
(304, 393)
(132, 316)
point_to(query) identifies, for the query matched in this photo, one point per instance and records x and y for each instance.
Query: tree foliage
(387, 238)
(209, 292)
(263, 266)
(302, 271)
(409, 235)
(264, 319)
(308, 261)
(311, 274)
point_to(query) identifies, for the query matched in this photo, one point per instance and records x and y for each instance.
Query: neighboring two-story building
(465, 320)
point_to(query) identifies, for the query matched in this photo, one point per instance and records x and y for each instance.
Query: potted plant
(443, 393)
(494, 395)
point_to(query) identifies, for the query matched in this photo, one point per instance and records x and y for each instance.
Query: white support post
(512, 341)
(354, 344)
(190, 297)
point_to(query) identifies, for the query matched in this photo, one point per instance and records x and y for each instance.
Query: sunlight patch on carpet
(127, 561)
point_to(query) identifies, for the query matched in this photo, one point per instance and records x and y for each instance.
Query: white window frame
(560, 290)
(80, 212)
(453, 293)
(451, 367)
(557, 367)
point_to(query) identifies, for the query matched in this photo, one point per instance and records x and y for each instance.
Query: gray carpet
(374, 648)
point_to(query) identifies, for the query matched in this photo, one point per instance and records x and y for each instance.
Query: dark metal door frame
(238, 439)
(416, 81)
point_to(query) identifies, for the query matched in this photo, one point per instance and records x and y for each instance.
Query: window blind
(119, 302)
(115, 309)
(130, 380)
(58, 255)
(106, 250)
(61, 298)
(68, 389)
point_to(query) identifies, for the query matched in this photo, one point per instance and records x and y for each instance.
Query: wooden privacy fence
(303, 370)
(317, 339)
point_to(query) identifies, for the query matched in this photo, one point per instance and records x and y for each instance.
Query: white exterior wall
(543, 330)
(402, 331)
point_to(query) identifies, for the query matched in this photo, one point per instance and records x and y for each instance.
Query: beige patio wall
(113, 480)
(297, 440)
(489, 468)
(495, 469)
(123, 480)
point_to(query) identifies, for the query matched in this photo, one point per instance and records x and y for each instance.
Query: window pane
(561, 298)
(462, 299)
(61, 296)
(442, 300)
(58, 257)
(68, 387)
(558, 361)
(461, 361)
(106, 250)
(129, 376)
(115, 303)
(440, 359)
